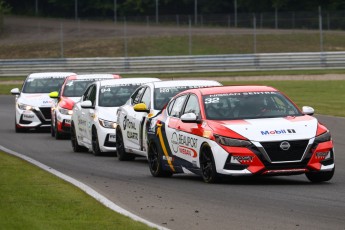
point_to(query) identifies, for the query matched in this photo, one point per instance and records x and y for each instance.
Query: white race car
(146, 102)
(70, 92)
(94, 116)
(33, 102)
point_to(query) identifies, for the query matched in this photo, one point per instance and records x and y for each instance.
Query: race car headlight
(65, 111)
(24, 106)
(323, 138)
(107, 124)
(231, 142)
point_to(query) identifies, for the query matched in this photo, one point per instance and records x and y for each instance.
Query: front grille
(46, 111)
(294, 153)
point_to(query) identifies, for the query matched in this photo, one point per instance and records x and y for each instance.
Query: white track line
(100, 198)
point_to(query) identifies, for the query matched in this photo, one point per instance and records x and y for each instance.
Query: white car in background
(146, 102)
(94, 116)
(70, 92)
(33, 102)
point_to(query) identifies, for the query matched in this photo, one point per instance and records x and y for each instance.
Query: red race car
(70, 92)
(238, 131)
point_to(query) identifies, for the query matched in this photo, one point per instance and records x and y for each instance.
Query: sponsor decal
(81, 122)
(112, 137)
(184, 144)
(243, 159)
(188, 141)
(28, 117)
(241, 94)
(128, 124)
(188, 151)
(67, 121)
(132, 135)
(322, 155)
(174, 142)
(278, 132)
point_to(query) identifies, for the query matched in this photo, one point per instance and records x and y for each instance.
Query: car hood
(107, 113)
(275, 129)
(36, 99)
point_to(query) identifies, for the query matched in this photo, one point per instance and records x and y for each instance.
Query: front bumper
(106, 138)
(254, 160)
(63, 123)
(35, 118)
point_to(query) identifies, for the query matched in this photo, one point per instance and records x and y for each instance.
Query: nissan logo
(285, 145)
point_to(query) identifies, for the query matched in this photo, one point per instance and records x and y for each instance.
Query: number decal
(212, 100)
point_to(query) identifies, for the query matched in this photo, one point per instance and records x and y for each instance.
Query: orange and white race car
(238, 131)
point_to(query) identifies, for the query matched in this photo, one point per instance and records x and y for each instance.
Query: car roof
(234, 89)
(177, 83)
(93, 76)
(128, 81)
(51, 75)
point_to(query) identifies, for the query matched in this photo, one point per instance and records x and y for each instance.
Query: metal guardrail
(176, 64)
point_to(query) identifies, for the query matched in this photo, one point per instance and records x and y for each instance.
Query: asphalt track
(185, 202)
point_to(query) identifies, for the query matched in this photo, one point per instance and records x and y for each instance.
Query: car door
(188, 134)
(171, 131)
(79, 118)
(127, 120)
(89, 113)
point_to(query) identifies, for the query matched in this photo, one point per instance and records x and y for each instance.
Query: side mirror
(189, 118)
(308, 110)
(15, 91)
(141, 107)
(86, 105)
(54, 95)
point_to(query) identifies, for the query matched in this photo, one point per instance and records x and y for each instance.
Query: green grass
(178, 45)
(33, 199)
(239, 73)
(326, 97)
(6, 88)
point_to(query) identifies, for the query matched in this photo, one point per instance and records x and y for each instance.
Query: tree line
(105, 8)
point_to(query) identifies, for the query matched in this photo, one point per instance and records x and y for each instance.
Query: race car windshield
(253, 105)
(42, 85)
(163, 95)
(115, 95)
(76, 88)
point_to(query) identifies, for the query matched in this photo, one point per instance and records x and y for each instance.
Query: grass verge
(176, 45)
(33, 199)
(6, 88)
(326, 97)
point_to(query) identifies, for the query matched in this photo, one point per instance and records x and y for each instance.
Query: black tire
(58, 135)
(52, 130)
(95, 143)
(76, 147)
(317, 177)
(122, 155)
(207, 165)
(18, 130)
(155, 162)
